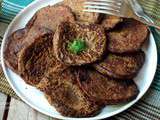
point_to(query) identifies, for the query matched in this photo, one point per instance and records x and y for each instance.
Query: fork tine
(102, 11)
(117, 2)
(112, 7)
(111, 1)
(102, 8)
(103, 3)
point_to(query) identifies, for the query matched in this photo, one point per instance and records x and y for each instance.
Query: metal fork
(140, 13)
(122, 8)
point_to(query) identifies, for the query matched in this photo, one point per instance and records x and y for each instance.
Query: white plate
(35, 98)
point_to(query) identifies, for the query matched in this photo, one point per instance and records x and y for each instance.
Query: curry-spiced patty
(13, 46)
(77, 8)
(63, 91)
(110, 21)
(36, 58)
(51, 16)
(106, 90)
(121, 66)
(129, 37)
(78, 43)
(79, 62)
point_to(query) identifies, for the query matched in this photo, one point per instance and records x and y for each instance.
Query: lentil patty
(129, 37)
(64, 93)
(121, 66)
(13, 46)
(37, 58)
(51, 16)
(106, 90)
(93, 35)
(77, 8)
(110, 21)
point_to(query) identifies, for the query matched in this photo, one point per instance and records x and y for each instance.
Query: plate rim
(27, 102)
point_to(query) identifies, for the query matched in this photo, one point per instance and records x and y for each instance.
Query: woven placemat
(5, 87)
(152, 8)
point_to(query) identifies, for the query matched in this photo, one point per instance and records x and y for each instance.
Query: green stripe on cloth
(1, 37)
(9, 12)
(4, 20)
(6, 17)
(156, 88)
(0, 7)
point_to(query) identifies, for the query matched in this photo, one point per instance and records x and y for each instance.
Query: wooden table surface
(13, 109)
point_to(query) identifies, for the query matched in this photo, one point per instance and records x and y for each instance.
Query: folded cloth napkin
(148, 108)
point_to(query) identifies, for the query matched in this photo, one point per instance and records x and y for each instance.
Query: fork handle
(150, 24)
(148, 21)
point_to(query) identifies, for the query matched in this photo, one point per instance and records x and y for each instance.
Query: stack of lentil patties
(81, 61)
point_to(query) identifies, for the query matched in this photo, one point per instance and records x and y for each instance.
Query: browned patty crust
(63, 92)
(129, 37)
(37, 58)
(121, 66)
(12, 47)
(110, 21)
(50, 16)
(93, 35)
(18, 40)
(106, 90)
(77, 8)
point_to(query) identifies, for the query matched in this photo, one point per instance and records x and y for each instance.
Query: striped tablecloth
(148, 108)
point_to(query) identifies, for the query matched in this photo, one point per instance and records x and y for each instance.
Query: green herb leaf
(77, 46)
